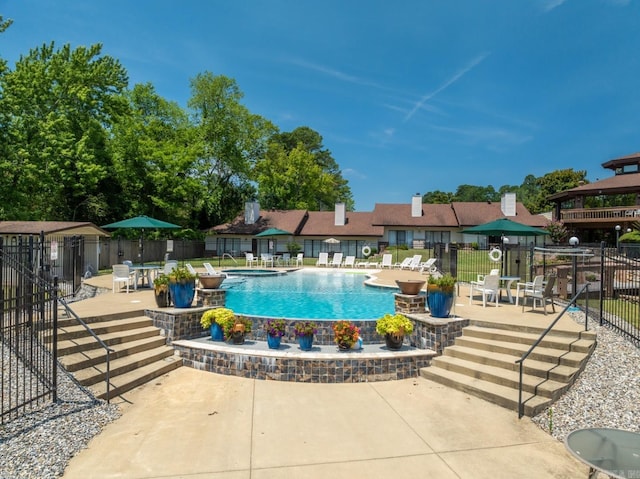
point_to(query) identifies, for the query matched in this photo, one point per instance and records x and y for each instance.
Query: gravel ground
(40, 444)
(606, 394)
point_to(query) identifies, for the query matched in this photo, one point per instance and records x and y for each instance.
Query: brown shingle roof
(322, 223)
(472, 214)
(618, 184)
(291, 221)
(50, 227)
(433, 215)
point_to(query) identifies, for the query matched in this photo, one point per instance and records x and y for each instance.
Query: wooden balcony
(619, 214)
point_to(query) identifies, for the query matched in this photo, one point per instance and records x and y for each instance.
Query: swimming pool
(309, 294)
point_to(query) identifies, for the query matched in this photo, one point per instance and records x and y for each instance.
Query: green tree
(298, 171)
(57, 107)
(438, 197)
(555, 182)
(476, 193)
(228, 141)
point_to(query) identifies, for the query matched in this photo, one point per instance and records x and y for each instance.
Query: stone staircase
(140, 352)
(482, 362)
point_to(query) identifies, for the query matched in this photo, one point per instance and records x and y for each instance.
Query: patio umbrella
(141, 222)
(331, 242)
(271, 232)
(505, 227)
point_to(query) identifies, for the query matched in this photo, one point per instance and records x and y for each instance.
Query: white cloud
(549, 5)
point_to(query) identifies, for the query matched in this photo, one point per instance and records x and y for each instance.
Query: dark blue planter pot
(216, 332)
(306, 342)
(182, 293)
(273, 341)
(440, 303)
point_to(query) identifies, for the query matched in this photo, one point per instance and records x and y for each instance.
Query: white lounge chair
(122, 274)
(404, 264)
(415, 262)
(489, 289)
(250, 260)
(211, 270)
(349, 262)
(387, 261)
(323, 259)
(191, 269)
(336, 260)
(429, 266)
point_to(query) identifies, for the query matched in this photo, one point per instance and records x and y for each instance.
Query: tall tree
(229, 140)
(438, 197)
(554, 182)
(58, 106)
(476, 193)
(298, 172)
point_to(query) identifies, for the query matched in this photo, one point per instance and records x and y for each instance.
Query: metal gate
(619, 305)
(28, 325)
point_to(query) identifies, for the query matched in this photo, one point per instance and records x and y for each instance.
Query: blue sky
(409, 96)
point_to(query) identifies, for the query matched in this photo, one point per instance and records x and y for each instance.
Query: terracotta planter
(211, 281)
(394, 342)
(410, 286)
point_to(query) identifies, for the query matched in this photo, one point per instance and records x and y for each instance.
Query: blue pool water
(310, 295)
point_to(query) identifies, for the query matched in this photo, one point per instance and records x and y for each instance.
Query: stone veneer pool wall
(430, 336)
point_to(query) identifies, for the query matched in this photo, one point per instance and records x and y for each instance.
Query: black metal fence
(28, 325)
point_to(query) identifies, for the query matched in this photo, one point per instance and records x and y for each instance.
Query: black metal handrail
(544, 333)
(96, 337)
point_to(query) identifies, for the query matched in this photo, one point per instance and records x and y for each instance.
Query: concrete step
(564, 342)
(66, 321)
(531, 384)
(132, 379)
(561, 373)
(123, 365)
(522, 327)
(103, 327)
(502, 395)
(87, 343)
(545, 354)
(87, 358)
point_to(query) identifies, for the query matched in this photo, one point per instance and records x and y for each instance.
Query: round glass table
(612, 451)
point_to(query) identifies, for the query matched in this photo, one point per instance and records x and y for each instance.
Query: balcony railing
(599, 215)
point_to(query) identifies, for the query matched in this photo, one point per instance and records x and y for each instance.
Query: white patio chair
(286, 258)
(323, 259)
(543, 295)
(480, 278)
(122, 274)
(266, 259)
(250, 260)
(169, 266)
(300, 259)
(489, 289)
(529, 286)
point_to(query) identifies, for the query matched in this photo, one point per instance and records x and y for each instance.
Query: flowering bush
(394, 324)
(217, 315)
(305, 328)
(346, 333)
(275, 327)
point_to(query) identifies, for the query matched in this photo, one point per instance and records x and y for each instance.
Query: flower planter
(216, 332)
(410, 286)
(162, 296)
(393, 341)
(211, 281)
(306, 342)
(273, 341)
(182, 293)
(439, 302)
(237, 337)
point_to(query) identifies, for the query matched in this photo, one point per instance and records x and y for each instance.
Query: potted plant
(304, 331)
(275, 329)
(213, 319)
(440, 295)
(182, 285)
(394, 327)
(161, 290)
(234, 328)
(346, 334)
